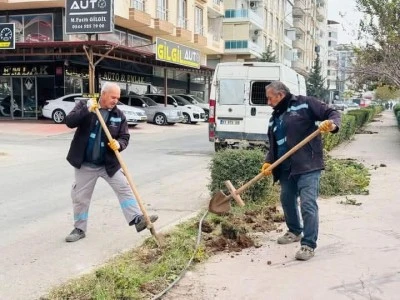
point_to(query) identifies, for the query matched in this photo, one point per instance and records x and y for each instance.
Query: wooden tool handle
(128, 177)
(278, 162)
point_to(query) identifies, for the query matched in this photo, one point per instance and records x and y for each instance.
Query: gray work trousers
(82, 190)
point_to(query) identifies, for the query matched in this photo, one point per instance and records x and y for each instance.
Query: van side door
(258, 112)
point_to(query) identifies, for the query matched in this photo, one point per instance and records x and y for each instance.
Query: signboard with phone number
(89, 16)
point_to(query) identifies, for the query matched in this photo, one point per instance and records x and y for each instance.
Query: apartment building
(345, 60)
(309, 17)
(250, 27)
(48, 63)
(332, 80)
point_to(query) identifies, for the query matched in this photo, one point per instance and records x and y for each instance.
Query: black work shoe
(141, 222)
(75, 235)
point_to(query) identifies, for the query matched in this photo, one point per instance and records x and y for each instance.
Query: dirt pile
(232, 233)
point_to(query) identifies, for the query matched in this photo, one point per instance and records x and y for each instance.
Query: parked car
(156, 113)
(198, 102)
(339, 105)
(59, 108)
(191, 113)
(352, 105)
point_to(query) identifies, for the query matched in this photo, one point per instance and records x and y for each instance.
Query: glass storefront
(24, 89)
(18, 96)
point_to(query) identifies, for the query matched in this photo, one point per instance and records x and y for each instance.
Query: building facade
(332, 80)
(34, 73)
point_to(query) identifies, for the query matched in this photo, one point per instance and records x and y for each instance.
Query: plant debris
(350, 201)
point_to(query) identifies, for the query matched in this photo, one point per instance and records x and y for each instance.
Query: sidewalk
(358, 254)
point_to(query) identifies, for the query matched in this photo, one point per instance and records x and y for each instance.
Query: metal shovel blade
(219, 203)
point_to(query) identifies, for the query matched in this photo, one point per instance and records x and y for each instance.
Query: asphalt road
(169, 166)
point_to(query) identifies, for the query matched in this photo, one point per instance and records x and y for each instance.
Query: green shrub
(361, 116)
(347, 130)
(343, 177)
(239, 166)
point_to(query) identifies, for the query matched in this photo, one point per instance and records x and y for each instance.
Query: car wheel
(186, 118)
(218, 147)
(58, 116)
(160, 119)
(206, 115)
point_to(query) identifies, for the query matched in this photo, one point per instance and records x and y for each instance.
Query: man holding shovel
(91, 158)
(293, 119)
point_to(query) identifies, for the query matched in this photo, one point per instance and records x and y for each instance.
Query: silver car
(158, 114)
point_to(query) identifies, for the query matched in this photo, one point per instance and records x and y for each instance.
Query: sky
(345, 12)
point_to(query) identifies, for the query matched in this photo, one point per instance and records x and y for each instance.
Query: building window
(32, 28)
(138, 4)
(235, 44)
(162, 11)
(198, 20)
(182, 15)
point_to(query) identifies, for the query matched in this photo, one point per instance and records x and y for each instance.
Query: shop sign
(7, 36)
(89, 16)
(177, 54)
(24, 70)
(123, 77)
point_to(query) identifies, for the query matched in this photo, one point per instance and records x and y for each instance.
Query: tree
(315, 81)
(379, 59)
(386, 92)
(268, 55)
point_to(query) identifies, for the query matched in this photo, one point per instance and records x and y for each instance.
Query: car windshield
(149, 101)
(181, 101)
(198, 99)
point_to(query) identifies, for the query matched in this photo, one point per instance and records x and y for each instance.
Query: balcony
(288, 41)
(215, 44)
(299, 44)
(215, 8)
(243, 47)
(161, 24)
(299, 67)
(243, 15)
(139, 18)
(299, 8)
(298, 24)
(200, 40)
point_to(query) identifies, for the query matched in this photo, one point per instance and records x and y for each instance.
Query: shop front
(24, 88)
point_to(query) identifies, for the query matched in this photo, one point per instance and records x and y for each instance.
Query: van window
(231, 91)
(258, 96)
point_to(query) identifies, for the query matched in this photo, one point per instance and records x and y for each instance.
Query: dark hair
(278, 86)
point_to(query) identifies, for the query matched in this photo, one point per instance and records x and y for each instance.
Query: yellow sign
(177, 54)
(96, 95)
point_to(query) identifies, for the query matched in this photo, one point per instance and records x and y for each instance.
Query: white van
(239, 112)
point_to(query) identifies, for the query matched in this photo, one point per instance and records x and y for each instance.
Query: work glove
(92, 104)
(264, 168)
(114, 145)
(327, 126)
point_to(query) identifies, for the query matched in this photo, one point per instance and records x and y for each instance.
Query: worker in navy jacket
(292, 120)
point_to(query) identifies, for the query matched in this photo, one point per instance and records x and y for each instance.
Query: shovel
(220, 203)
(150, 225)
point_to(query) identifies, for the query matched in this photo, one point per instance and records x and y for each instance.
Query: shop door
(5, 97)
(24, 96)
